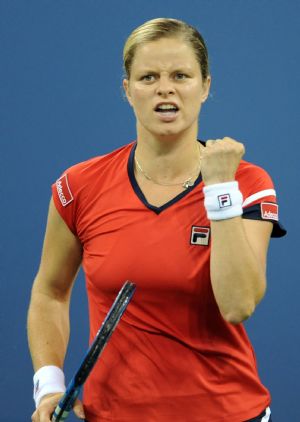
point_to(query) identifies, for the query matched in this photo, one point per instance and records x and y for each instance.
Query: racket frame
(101, 339)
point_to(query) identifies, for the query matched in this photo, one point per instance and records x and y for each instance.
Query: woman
(189, 222)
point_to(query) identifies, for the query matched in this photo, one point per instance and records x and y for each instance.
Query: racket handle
(63, 416)
(66, 403)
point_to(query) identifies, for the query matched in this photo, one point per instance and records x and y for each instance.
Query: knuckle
(227, 140)
(241, 149)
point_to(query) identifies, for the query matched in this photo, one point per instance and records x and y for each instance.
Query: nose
(165, 86)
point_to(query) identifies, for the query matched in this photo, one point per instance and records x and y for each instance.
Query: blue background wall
(61, 103)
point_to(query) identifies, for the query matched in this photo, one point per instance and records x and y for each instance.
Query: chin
(167, 131)
(170, 133)
(167, 136)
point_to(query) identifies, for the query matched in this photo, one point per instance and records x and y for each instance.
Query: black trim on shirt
(254, 213)
(139, 193)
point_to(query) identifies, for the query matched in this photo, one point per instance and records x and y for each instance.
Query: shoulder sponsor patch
(269, 211)
(200, 235)
(63, 190)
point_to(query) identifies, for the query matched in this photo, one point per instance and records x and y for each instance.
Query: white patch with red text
(63, 190)
(269, 211)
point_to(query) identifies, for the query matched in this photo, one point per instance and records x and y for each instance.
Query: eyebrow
(175, 69)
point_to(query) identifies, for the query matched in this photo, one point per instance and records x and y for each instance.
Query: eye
(148, 78)
(180, 76)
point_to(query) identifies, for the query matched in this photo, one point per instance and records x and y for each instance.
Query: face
(165, 88)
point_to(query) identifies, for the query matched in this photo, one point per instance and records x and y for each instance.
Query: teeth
(167, 107)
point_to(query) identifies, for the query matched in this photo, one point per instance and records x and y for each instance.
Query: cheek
(140, 103)
(193, 92)
(192, 99)
(139, 94)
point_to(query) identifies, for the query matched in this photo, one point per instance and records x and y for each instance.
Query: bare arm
(238, 265)
(48, 315)
(239, 246)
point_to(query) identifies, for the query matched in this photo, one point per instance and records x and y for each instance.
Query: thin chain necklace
(185, 184)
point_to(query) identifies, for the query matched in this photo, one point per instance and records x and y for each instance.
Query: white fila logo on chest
(200, 235)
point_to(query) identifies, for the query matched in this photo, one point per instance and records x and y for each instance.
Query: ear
(127, 90)
(206, 88)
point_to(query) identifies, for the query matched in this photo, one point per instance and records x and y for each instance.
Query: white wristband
(47, 380)
(223, 200)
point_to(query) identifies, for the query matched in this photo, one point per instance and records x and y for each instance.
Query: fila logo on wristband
(36, 387)
(200, 235)
(224, 200)
(269, 211)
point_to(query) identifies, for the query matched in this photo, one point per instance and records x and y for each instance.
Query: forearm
(237, 275)
(48, 329)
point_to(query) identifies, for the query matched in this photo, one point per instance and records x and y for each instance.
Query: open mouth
(166, 108)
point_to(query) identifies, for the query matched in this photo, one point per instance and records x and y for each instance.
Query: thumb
(78, 409)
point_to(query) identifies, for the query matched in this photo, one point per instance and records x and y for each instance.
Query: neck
(171, 159)
(163, 144)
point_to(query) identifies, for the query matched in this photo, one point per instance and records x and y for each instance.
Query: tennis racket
(109, 324)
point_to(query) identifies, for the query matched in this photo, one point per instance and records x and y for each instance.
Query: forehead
(165, 53)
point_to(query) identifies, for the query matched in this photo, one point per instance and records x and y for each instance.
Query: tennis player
(189, 223)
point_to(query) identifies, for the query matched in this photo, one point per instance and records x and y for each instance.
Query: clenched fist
(220, 160)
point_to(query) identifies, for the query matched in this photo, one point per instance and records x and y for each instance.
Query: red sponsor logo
(269, 211)
(64, 191)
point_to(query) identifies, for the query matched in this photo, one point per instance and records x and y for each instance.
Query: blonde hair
(165, 28)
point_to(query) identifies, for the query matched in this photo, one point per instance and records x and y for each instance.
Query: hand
(220, 160)
(47, 406)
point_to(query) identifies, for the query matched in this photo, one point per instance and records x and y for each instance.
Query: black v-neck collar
(141, 196)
